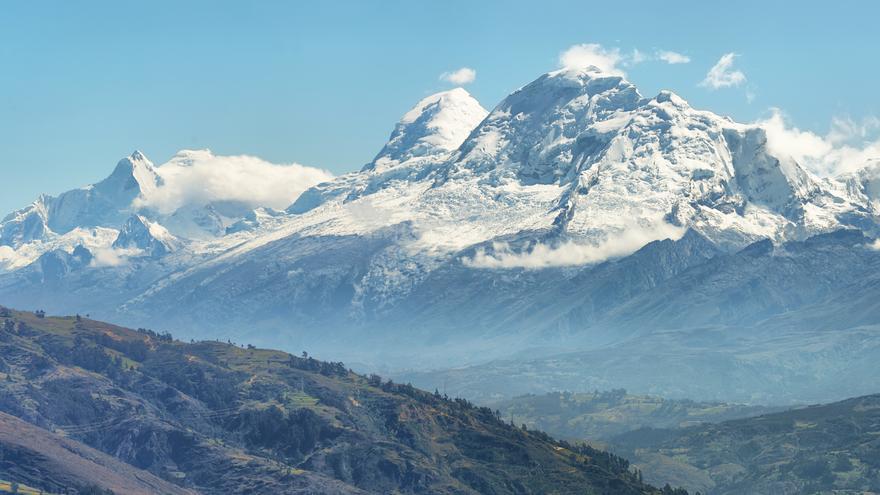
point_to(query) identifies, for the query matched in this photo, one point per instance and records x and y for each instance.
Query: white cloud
(848, 145)
(612, 60)
(750, 95)
(671, 57)
(465, 75)
(8, 257)
(723, 75)
(638, 57)
(571, 253)
(200, 177)
(587, 54)
(110, 256)
(846, 130)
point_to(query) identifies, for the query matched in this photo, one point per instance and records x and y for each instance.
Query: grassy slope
(832, 448)
(34, 456)
(600, 415)
(222, 419)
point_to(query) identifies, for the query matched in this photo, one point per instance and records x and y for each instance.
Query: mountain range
(578, 223)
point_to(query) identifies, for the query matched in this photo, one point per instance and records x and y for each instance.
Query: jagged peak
(133, 161)
(667, 96)
(140, 233)
(532, 131)
(135, 170)
(864, 181)
(138, 156)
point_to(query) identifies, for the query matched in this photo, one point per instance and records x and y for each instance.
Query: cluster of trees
(308, 363)
(87, 355)
(292, 434)
(137, 350)
(215, 386)
(165, 337)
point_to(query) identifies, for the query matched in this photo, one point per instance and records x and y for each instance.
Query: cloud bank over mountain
(198, 177)
(573, 253)
(847, 147)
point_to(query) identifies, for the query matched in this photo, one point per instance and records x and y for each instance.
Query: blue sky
(322, 83)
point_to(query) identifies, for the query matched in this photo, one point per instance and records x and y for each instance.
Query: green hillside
(601, 415)
(832, 448)
(218, 418)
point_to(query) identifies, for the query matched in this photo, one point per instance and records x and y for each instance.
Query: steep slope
(26, 225)
(38, 458)
(570, 170)
(436, 126)
(142, 235)
(831, 448)
(782, 283)
(421, 141)
(767, 324)
(222, 419)
(107, 202)
(471, 238)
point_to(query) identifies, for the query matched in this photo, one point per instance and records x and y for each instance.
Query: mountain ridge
(572, 171)
(218, 418)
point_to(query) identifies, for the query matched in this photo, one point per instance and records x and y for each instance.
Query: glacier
(551, 223)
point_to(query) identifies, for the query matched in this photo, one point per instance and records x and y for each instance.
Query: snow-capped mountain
(436, 126)
(145, 237)
(104, 204)
(574, 196)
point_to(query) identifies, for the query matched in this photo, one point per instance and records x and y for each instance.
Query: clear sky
(82, 84)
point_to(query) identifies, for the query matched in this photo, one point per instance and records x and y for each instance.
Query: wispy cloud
(462, 76)
(572, 253)
(8, 257)
(671, 57)
(637, 56)
(723, 74)
(110, 256)
(847, 146)
(613, 60)
(200, 177)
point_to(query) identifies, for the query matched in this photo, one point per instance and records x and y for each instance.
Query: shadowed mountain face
(37, 458)
(833, 448)
(598, 416)
(787, 324)
(216, 418)
(577, 218)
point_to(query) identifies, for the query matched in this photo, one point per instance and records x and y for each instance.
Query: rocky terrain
(214, 417)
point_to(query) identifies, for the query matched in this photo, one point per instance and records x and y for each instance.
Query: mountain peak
(436, 125)
(580, 74)
(533, 132)
(667, 96)
(135, 170)
(149, 237)
(137, 156)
